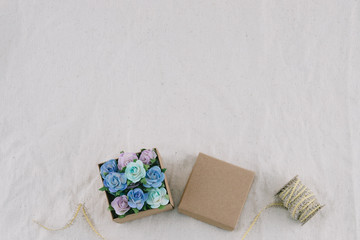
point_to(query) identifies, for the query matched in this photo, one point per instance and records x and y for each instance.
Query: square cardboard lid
(216, 192)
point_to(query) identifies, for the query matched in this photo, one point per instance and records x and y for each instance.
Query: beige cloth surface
(272, 86)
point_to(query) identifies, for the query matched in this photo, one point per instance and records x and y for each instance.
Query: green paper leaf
(146, 167)
(135, 210)
(142, 149)
(121, 152)
(121, 216)
(167, 197)
(128, 182)
(106, 173)
(153, 160)
(161, 206)
(163, 170)
(111, 208)
(103, 188)
(143, 181)
(118, 193)
(135, 160)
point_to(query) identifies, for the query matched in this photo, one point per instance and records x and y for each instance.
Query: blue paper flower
(154, 177)
(108, 167)
(115, 181)
(137, 198)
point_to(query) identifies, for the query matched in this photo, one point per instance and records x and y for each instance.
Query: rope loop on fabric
(71, 221)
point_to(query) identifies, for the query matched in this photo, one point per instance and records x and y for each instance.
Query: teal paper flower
(135, 171)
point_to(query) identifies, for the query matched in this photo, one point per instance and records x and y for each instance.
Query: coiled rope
(297, 198)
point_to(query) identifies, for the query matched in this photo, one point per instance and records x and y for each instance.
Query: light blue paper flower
(154, 177)
(137, 198)
(115, 181)
(108, 167)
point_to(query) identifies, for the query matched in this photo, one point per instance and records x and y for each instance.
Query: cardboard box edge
(166, 180)
(143, 214)
(231, 164)
(187, 182)
(205, 219)
(247, 196)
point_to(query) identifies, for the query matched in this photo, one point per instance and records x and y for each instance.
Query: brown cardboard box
(216, 192)
(148, 212)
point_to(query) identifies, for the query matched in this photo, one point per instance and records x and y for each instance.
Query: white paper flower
(157, 197)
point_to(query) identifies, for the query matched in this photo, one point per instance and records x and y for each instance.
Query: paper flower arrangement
(135, 182)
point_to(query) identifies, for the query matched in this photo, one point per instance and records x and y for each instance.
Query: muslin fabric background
(271, 86)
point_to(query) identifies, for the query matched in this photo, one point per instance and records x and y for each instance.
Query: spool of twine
(297, 198)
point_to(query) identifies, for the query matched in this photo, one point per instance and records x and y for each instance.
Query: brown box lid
(216, 192)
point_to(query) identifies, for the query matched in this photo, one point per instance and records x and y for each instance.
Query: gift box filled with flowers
(135, 185)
